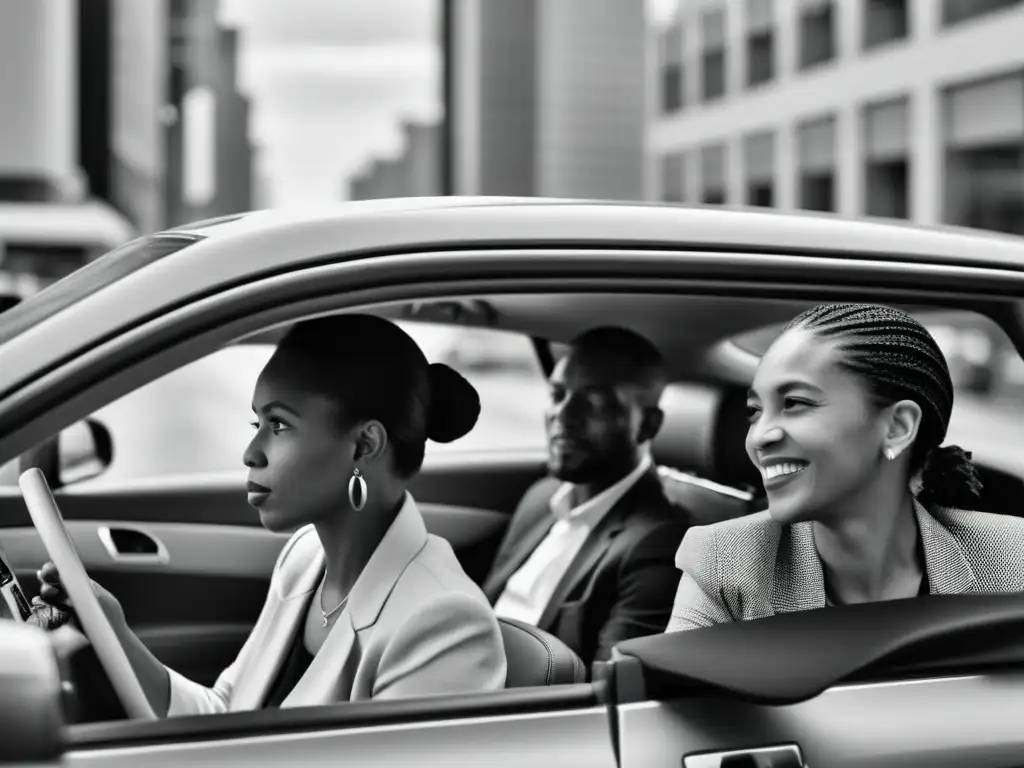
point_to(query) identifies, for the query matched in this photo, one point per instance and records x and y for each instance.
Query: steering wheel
(48, 522)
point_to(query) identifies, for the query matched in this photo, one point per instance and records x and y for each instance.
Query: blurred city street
(132, 116)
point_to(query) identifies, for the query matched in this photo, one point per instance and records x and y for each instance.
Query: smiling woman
(849, 408)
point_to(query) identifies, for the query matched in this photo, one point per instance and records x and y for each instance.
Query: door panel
(556, 739)
(930, 723)
(194, 600)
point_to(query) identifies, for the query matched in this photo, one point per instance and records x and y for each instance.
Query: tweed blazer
(752, 567)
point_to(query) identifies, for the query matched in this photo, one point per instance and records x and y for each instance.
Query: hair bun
(950, 479)
(454, 404)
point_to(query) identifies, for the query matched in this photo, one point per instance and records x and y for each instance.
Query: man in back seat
(589, 553)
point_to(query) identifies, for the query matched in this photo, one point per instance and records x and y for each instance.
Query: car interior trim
(359, 714)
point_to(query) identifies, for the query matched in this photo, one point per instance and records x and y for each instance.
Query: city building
(415, 172)
(898, 108)
(140, 111)
(545, 98)
(180, 147)
(52, 219)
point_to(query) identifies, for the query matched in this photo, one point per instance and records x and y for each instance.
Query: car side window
(504, 368)
(196, 420)
(988, 380)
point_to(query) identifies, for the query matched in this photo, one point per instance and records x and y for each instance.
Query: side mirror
(83, 450)
(31, 697)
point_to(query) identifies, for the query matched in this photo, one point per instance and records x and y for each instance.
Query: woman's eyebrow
(786, 387)
(276, 404)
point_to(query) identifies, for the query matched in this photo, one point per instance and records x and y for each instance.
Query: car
(163, 523)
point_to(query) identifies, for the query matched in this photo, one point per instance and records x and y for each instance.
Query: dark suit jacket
(622, 582)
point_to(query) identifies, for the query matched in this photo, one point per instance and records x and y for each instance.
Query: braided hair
(898, 359)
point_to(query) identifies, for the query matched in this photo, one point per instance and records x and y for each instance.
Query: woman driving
(363, 602)
(848, 411)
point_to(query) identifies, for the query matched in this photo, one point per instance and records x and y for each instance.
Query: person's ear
(651, 420)
(371, 442)
(902, 425)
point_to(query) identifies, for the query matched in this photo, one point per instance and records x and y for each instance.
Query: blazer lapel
(798, 582)
(276, 629)
(324, 675)
(597, 544)
(495, 585)
(948, 571)
(324, 680)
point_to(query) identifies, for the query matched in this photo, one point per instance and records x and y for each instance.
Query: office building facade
(909, 109)
(546, 98)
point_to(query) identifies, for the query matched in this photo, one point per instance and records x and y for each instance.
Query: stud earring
(890, 454)
(357, 481)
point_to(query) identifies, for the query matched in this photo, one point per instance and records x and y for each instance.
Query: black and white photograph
(512, 383)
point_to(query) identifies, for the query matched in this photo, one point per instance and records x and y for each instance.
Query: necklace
(327, 614)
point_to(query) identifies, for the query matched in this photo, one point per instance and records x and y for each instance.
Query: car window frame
(140, 355)
(57, 397)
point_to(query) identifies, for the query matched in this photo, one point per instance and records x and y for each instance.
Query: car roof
(514, 220)
(204, 256)
(176, 267)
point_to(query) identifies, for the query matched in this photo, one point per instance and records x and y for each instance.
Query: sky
(331, 82)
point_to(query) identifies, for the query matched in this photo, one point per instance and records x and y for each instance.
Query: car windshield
(105, 270)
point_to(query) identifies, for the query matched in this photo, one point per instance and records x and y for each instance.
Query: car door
(163, 523)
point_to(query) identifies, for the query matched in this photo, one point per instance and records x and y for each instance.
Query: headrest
(704, 501)
(703, 436)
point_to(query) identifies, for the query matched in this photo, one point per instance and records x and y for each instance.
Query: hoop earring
(357, 479)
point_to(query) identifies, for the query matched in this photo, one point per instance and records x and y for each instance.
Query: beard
(603, 468)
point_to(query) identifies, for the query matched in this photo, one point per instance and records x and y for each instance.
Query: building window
(885, 21)
(818, 191)
(760, 57)
(761, 194)
(713, 176)
(816, 141)
(670, 64)
(886, 188)
(673, 187)
(760, 42)
(713, 55)
(887, 159)
(955, 11)
(817, 33)
(759, 168)
(984, 140)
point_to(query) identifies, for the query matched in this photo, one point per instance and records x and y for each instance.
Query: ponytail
(950, 479)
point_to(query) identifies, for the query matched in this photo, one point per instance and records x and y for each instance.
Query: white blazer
(414, 625)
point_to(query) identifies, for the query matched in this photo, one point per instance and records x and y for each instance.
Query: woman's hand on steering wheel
(53, 608)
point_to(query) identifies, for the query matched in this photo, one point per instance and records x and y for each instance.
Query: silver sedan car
(128, 382)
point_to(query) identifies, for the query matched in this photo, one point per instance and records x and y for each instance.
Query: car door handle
(133, 545)
(781, 756)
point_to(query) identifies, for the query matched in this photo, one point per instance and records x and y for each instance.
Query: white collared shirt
(530, 588)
